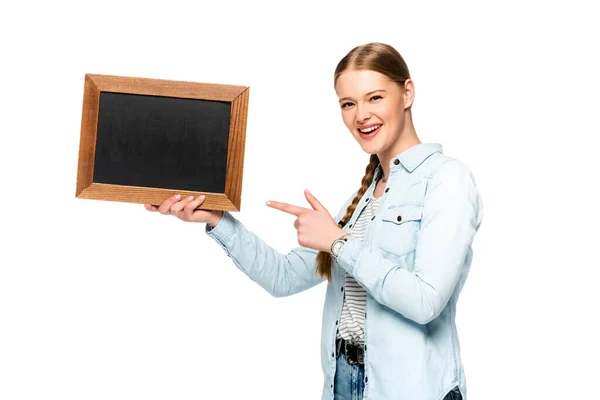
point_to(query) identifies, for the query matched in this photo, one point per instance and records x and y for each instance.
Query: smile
(369, 131)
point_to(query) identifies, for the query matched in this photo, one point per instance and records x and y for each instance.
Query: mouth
(368, 132)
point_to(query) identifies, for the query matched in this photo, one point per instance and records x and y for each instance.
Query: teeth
(370, 129)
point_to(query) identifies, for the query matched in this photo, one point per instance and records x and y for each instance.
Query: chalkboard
(144, 140)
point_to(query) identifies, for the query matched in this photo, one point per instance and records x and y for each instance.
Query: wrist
(338, 244)
(215, 221)
(337, 235)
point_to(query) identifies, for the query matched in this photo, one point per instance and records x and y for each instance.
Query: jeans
(349, 382)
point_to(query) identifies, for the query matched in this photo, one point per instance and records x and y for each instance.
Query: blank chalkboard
(143, 140)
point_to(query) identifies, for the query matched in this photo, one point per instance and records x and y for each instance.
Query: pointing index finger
(285, 207)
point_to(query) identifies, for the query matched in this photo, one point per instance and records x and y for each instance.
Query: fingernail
(268, 203)
(202, 197)
(177, 196)
(306, 190)
(190, 198)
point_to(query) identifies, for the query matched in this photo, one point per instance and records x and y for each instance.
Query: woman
(396, 255)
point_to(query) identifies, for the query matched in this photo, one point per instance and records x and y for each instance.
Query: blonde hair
(386, 60)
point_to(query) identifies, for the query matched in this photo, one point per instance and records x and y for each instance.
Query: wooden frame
(228, 200)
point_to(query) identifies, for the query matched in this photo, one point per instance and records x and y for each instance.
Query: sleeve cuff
(225, 229)
(350, 253)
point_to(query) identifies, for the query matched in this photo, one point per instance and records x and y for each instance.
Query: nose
(362, 114)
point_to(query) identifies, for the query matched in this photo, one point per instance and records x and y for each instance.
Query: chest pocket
(399, 228)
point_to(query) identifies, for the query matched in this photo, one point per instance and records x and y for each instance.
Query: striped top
(352, 322)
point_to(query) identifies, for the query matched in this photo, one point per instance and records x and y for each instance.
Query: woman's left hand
(316, 228)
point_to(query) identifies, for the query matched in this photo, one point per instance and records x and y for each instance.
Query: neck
(407, 139)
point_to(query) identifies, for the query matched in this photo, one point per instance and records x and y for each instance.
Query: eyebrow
(366, 94)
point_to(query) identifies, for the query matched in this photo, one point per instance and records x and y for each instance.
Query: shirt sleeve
(452, 214)
(279, 274)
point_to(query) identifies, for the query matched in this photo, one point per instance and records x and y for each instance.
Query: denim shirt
(412, 261)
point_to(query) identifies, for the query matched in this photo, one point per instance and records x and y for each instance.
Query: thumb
(314, 202)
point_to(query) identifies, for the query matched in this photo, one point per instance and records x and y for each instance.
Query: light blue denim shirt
(413, 262)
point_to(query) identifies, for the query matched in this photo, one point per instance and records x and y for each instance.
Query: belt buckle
(349, 359)
(360, 354)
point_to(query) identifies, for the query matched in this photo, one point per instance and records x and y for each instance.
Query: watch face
(337, 246)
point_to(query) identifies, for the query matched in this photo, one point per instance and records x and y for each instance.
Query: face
(373, 109)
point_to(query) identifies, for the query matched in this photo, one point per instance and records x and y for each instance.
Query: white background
(104, 300)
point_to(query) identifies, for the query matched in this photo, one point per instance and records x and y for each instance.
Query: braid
(324, 258)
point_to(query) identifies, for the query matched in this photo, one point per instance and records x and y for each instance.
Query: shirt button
(342, 289)
(365, 347)
(366, 379)
(367, 199)
(336, 322)
(387, 190)
(396, 161)
(373, 218)
(350, 226)
(333, 355)
(399, 218)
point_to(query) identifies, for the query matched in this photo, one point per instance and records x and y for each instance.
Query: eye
(376, 97)
(346, 105)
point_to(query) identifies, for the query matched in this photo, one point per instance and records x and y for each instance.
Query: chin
(370, 148)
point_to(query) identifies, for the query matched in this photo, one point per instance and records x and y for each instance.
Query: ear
(409, 93)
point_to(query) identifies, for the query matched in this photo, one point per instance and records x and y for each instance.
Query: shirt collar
(412, 157)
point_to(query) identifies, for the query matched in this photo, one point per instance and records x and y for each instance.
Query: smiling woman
(398, 250)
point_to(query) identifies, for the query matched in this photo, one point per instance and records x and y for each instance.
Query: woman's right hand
(184, 209)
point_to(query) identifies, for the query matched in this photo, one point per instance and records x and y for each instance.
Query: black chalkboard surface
(144, 140)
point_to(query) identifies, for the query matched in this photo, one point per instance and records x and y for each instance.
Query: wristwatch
(336, 246)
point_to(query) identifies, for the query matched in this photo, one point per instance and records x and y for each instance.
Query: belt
(354, 352)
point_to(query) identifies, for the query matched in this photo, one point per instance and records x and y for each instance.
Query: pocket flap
(400, 214)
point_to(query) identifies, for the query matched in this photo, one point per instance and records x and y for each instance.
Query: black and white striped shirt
(352, 321)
